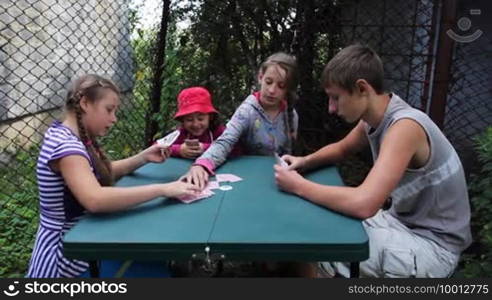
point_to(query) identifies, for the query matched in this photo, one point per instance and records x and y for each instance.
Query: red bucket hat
(194, 99)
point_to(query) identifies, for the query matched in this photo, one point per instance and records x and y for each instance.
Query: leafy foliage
(221, 49)
(479, 264)
(19, 213)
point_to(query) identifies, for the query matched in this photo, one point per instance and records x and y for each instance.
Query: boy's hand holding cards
(280, 161)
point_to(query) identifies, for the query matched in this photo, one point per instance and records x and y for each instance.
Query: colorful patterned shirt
(257, 133)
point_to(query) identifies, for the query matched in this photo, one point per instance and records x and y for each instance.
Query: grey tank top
(431, 201)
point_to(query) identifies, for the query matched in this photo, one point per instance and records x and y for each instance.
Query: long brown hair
(289, 64)
(93, 88)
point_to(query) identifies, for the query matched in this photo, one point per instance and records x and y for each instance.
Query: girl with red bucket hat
(199, 123)
(265, 123)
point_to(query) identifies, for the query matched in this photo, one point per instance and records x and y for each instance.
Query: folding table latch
(211, 263)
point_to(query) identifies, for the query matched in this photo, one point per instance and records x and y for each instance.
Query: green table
(253, 221)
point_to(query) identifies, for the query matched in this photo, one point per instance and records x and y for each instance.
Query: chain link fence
(468, 109)
(44, 44)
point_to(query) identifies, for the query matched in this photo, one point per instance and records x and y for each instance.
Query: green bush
(479, 263)
(18, 213)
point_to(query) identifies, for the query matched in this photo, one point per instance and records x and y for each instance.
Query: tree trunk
(159, 60)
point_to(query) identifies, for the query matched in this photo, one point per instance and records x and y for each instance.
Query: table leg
(354, 269)
(220, 269)
(94, 269)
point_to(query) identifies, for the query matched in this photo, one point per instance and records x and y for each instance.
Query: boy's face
(349, 107)
(100, 115)
(196, 123)
(273, 86)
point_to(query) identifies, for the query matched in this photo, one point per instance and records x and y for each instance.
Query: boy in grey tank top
(427, 226)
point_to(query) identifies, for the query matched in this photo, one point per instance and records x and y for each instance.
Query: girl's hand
(295, 162)
(179, 188)
(191, 151)
(156, 153)
(288, 180)
(197, 175)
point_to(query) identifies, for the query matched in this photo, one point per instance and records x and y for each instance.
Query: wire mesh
(44, 44)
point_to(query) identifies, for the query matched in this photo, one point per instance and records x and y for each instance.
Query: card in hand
(280, 161)
(169, 139)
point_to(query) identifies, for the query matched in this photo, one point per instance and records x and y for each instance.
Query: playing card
(169, 139)
(227, 178)
(192, 198)
(212, 185)
(280, 161)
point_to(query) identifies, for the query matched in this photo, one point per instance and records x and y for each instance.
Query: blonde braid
(106, 162)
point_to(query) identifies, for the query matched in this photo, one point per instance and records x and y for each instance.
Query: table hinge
(210, 262)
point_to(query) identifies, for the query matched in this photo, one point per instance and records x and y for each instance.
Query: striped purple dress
(59, 210)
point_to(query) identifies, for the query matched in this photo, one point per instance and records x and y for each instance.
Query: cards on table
(192, 198)
(212, 185)
(227, 178)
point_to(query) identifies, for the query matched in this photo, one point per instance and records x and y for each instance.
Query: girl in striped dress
(75, 176)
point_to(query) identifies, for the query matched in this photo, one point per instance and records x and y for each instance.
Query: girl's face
(273, 86)
(196, 123)
(100, 115)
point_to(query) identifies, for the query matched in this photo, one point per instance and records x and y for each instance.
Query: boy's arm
(332, 153)
(400, 144)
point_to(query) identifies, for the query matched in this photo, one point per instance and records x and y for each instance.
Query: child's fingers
(293, 165)
(165, 151)
(189, 177)
(288, 158)
(200, 180)
(192, 187)
(196, 152)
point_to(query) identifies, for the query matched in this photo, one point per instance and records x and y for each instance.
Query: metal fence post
(444, 56)
(155, 93)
